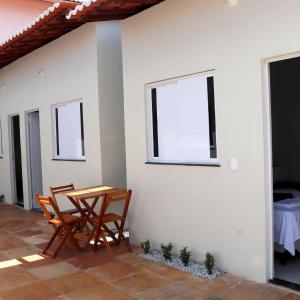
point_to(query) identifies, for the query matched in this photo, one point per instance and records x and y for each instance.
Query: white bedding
(287, 223)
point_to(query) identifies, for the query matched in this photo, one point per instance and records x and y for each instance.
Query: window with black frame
(181, 120)
(68, 131)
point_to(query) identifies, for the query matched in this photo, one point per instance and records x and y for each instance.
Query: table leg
(77, 205)
(90, 210)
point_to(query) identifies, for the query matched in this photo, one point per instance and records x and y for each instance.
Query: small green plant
(79, 225)
(146, 246)
(209, 262)
(185, 256)
(167, 251)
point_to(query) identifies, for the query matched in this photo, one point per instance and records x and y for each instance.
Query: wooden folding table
(80, 196)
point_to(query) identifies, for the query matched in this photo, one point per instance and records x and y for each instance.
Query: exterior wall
(69, 72)
(111, 105)
(206, 208)
(14, 14)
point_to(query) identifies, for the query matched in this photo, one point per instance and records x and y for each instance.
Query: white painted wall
(70, 71)
(206, 208)
(111, 103)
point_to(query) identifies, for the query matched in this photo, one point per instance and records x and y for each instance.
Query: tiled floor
(89, 275)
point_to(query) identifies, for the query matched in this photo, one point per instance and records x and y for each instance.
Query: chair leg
(121, 228)
(75, 242)
(122, 237)
(106, 244)
(67, 235)
(96, 239)
(111, 234)
(90, 237)
(52, 239)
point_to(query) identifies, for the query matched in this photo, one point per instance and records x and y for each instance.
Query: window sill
(69, 159)
(217, 165)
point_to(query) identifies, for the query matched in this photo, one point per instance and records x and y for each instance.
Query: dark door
(17, 160)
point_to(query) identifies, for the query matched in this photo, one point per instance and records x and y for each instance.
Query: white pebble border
(194, 267)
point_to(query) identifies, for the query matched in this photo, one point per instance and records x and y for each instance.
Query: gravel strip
(194, 267)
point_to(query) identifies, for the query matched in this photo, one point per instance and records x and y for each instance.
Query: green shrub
(209, 263)
(185, 256)
(167, 251)
(79, 225)
(146, 246)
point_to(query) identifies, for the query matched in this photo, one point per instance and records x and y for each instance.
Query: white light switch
(233, 164)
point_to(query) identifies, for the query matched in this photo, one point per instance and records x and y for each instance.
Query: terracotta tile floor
(89, 275)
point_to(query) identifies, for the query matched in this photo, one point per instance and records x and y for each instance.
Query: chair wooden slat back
(64, 189)
(46, 203)
(61, 189)
(124, 196)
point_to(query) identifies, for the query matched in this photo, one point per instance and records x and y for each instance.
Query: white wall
(206, 208)
(70, 72)
(111, 103)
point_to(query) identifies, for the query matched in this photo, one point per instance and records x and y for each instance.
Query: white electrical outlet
(233, 164)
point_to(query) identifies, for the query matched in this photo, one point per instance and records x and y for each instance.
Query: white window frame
(1, 140)
(54, 133)
(149, 122)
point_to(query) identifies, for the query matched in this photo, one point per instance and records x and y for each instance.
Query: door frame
(268, 152)
(29, 174)
(11, 157)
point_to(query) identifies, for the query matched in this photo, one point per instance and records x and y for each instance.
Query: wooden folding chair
(64, 225)
(100, 228)
(63, 189)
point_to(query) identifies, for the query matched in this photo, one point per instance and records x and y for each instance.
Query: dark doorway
(17, 160)
(285, 113)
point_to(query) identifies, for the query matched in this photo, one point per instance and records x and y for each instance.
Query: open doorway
(34, 157)
(16, 159)
(285, 123)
